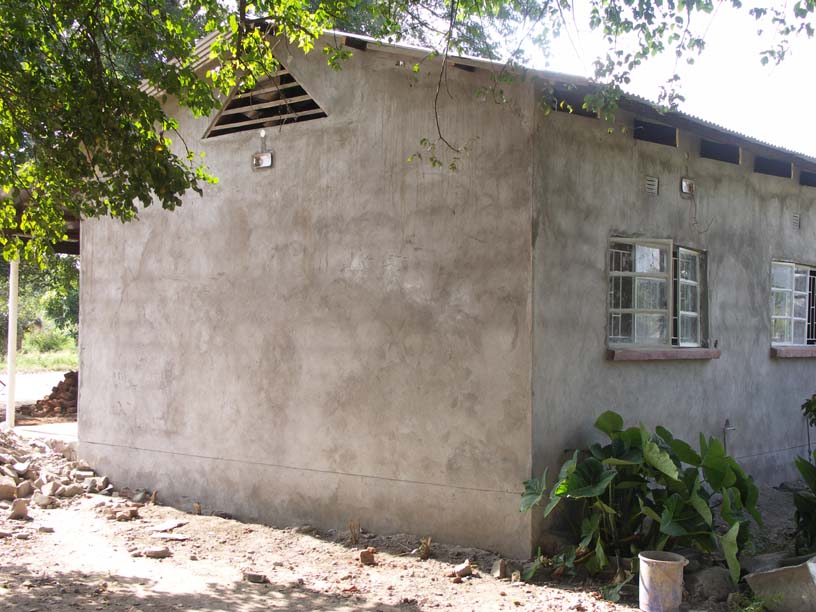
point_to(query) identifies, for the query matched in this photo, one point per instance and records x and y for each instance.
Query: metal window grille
(811, 327)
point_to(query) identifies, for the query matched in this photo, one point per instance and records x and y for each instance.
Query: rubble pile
(62, 401)
(34, 473)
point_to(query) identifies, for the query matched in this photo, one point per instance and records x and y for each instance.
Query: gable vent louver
(273, 102)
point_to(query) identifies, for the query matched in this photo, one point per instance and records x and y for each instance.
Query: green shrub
(805, 503)
(48, 340)
(650, 491)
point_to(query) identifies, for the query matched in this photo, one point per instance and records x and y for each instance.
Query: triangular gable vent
(272, 102)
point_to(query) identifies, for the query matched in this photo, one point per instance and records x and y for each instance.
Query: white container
(661, 581)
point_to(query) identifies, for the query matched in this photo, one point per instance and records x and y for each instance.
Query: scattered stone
(128, 514)
(8, 488)
(367, 556)
(22, 467)
(306, 530)
(157, 552)
(713, 583)
(71, 490)
(19, 510)
(25, 489)
(45, 529)
(169, 526)
(457, 580)
(786, 589)
(463, 569)
(51, 488)
(141, 497)
(23, 535)
(5, 534)
(44, 501)
(499, 569)
(82, 475)
(255, 578)
(515, 577)
(172, 537)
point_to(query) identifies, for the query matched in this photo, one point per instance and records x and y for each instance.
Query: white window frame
(634, 311)
(673, 281)
(797, 270)
(697, 313)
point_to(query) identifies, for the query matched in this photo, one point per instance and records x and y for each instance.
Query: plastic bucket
(661, 581)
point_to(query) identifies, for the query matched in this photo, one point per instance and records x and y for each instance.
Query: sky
(727, 84)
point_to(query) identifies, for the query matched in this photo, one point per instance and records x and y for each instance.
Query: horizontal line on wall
(300, 469)
(771, 452)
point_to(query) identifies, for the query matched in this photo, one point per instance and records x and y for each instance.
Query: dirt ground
(86, 563)
(75, 558)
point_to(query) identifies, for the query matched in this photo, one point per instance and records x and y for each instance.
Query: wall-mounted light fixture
(263, 158)
(687, 187)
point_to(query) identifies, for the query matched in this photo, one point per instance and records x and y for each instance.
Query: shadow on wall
(70, 591)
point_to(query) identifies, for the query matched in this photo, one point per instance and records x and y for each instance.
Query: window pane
(801, 280)
(651, 294)
(689, 329)
(688, 298)
(620, 327)
(651, 328)
(781, 303)
(782, 276)
(620, 257)
(800, 332)
(620, 292)
(688, 266)
(800, 305)
(781, 331)
(650, 259)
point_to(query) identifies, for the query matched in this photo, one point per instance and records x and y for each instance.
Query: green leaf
(659, 459)
(728, 543)
(532, 570)
(589, 479)
(700, 505)
(534, 490)
(685, 453)
(609, 422)
(808, 472)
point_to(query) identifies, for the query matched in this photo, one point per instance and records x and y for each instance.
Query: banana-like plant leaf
(659, 459)
(609, 422)
(590, 479)
(685, 453)
(534, 490)
(668, 523)
(554, 501)
(728, 542)
(664, 433)
(808, 472)
(700, 505)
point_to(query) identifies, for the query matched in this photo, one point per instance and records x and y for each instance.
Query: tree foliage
(83, 131)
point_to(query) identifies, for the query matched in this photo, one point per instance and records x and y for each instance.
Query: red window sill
(793, 352)
(667, 354)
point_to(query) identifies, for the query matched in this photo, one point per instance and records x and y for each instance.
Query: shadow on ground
(20, 590)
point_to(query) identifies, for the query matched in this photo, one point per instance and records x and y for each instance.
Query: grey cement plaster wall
(345, 336)
(589, 186)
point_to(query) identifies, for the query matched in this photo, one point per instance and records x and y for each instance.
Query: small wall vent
(796, 221)
(275, 101)
(652, 185)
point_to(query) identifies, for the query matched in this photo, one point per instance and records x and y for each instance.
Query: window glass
(689, 329)
(651, 294)
(650, 259)
(651, 328)
(792, 303)
(620, 257)
(782, 276)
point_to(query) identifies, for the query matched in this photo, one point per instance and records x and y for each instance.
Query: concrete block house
(333, 333)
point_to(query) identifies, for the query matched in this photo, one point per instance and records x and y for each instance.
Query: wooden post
(11, 354)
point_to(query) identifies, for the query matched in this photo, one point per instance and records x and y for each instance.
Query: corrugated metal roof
(671, 117)
(629, 101)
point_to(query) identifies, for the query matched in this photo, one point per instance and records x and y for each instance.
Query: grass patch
(51, 361)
